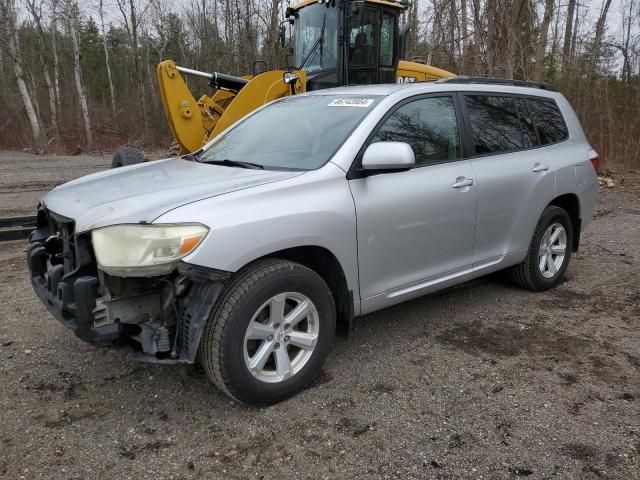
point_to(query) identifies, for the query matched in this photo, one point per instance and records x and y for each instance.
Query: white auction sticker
(351, 102)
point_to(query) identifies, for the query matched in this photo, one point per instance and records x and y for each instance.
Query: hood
(143, 192)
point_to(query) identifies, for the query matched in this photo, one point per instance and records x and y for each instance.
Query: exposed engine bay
(156, 319)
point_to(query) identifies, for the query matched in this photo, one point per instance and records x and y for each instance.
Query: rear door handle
(539, 167)
(462, 182)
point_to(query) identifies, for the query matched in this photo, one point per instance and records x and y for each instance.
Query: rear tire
(245, 328)
(549, 252)
(126, 156)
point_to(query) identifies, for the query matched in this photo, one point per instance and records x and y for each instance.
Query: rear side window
(494, 123)
(529, 137)
(429, 125)
(548, 119)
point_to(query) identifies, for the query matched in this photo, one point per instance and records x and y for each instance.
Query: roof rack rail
(497, 81)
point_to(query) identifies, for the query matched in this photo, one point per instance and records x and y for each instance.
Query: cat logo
(406, 79)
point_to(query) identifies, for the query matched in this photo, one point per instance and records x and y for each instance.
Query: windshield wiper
(234, 163)
(192, 156)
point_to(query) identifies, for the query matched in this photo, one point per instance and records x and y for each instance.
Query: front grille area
(61, 244)
(64, 275)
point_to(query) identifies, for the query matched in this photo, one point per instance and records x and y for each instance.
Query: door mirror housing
(388, 156)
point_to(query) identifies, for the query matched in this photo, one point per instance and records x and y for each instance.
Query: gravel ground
(480, 381)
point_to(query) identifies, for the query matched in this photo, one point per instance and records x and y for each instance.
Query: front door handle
(462, 182)
(539, 167)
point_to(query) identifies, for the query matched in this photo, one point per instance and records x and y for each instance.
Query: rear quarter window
(548, 120)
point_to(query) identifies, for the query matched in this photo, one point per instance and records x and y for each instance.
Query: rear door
(515, 178)
(418, 224)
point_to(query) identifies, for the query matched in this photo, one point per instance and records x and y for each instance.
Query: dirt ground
(482, 381)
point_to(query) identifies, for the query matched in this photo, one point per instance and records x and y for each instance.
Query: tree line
(82, 75)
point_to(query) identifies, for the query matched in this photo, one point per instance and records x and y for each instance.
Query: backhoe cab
(335, 43)
(353, 43)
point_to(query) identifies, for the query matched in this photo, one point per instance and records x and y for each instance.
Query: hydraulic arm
(193, 123)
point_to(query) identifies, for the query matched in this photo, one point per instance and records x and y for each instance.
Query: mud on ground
(480, 381)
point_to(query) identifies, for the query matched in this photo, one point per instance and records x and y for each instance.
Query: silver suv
(249, 254)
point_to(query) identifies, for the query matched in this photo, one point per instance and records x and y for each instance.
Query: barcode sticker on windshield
(351, 102)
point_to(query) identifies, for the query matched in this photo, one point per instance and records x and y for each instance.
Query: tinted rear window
(494, 123)
(529, 137)
(548, 119)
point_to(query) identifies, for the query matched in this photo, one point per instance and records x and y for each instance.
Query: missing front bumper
(159, 319)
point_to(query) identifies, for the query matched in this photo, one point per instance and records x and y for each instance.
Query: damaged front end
(156, 318)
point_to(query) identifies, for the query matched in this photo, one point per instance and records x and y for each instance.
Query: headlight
(144, 250)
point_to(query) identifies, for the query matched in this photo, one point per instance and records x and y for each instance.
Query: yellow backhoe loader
(335, 43)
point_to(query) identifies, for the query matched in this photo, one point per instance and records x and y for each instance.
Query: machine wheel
(270, 332)
(549, 252)
(174, 149)
(126, 156)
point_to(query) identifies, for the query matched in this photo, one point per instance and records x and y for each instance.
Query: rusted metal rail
(16, 228)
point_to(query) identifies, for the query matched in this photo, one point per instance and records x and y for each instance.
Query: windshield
(316, 38)
(295, 133)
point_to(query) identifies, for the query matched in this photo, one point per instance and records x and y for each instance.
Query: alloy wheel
(281, 337)
(553, 250)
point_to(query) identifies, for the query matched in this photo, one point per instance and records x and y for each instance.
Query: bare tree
(35, 10)
(513, 35)
(71, 13)
(568, 32)
(491, 14)
(54, 51)
(112, 94)
(543, 39)
(12, 48)
(132, 15)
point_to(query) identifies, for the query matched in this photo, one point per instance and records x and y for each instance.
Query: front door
(417, 225)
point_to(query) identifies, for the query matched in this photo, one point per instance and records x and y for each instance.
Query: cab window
(387, 35)
(316, 38)
(362, 40)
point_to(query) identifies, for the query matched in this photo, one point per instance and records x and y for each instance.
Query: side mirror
(388, 156)
(282, 36)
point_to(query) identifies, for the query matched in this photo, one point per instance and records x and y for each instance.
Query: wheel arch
(570, 203)
(326, 264)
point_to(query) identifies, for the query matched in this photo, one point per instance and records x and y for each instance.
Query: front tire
(270, 332)
(549, 252)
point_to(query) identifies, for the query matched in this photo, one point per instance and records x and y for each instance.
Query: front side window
(429, 125)
(295, 133)
(387, 35)
(494, 123)
(316, 38)
(548, 120)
